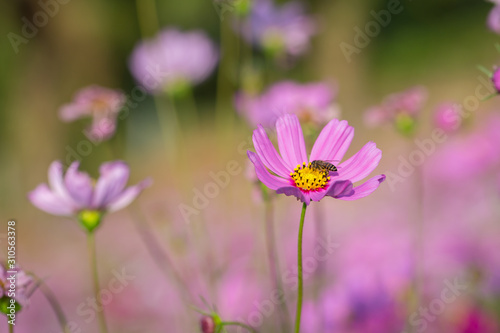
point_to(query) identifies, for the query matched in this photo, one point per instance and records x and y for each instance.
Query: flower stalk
(95, 280)
(300, 290)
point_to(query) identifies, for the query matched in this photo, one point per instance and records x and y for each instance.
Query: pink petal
(43, 198)
(365, 189)
(73, 111)
(264, 176)
(79, 185)
(56, 182)
(317, 195)
(291, 140)
(114, 177)
(127, 196)
(361, 164)
(333, 141)
(296, 192)
(268, 154)
(340, 188)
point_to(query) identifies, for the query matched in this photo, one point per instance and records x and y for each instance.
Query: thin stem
(54, 303)
(11, 327)
(159, 256)
(272, 253)
(299, 265)
(235, 323)
(95, 279)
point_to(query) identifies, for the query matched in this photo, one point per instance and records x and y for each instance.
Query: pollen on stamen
(309, 179)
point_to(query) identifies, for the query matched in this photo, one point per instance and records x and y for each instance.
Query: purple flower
(495, 78)
(292, 172)
(102, 104)
(312, 103)
(284, 29)
(493, 21)
(23, 282)
(173, 59)
(407, 103)
(447, 117)
(74, 194)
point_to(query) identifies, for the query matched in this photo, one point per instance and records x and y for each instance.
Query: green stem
(299, 265)
(95, 278)
(235, 323)
(51, 298)
(11, 327)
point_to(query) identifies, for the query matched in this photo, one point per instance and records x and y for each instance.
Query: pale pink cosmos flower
(493, 20)
(292, 173)
(99, 103)
(23, 283)
(75, 192)
(447, 117)
(408, 102)
(173, 59)
(311, 102)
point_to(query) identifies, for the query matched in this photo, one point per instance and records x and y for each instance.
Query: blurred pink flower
(477, 321)
(493, 21)
(408, 102)
(23, 282)
(447, 117)
(495, 78)
(102, 104)
(292, 174)
(173, 59)
(75, 192)
(285, 29)
(312, 103)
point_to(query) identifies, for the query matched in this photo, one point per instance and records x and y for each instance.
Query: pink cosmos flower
(102, 104)
(447, 117)
(23, 282)
(495, 78)
(292, 172)
(311, 102)
(493, 21)
(173, 59)
(74, 193)
(408, 102)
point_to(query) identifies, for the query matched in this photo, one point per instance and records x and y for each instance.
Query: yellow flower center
(309, 179)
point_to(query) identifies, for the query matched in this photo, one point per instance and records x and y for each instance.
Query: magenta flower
(397, 106)
(277, 30)
(292, 173)
(101, 104)
(23, 282)
(312, 103)
(495, 78)
(74, 194)
(447, 117)
(173, 59)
